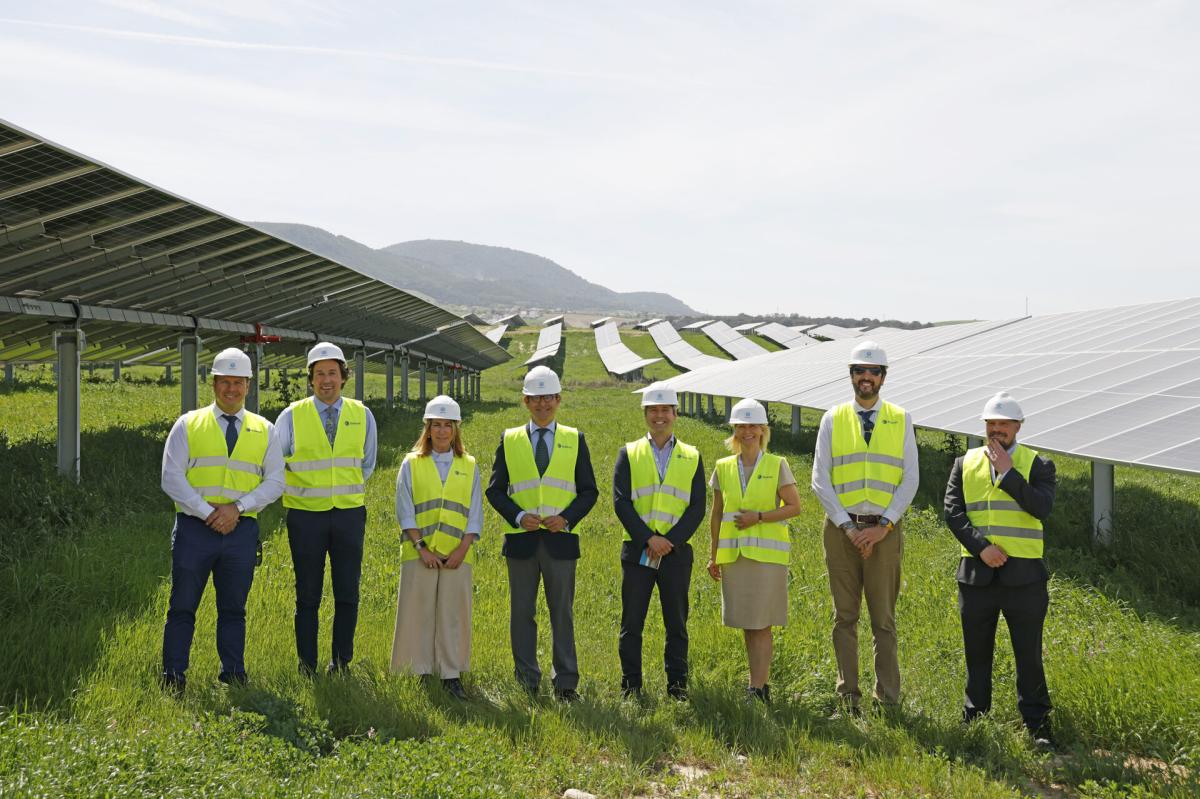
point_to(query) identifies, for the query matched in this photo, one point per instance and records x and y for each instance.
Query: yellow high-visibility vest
(865, 476)
(993, 512)
(548, 494)
(442, 508)
(219, 475)
(317, 476)
(660, 503)
(768, 542)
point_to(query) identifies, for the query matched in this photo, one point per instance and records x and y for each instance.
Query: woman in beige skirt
(754, 494)
(439, 504)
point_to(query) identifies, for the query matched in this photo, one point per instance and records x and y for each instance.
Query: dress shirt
(662, 457)
(407, 515)
(548, 437)
(285, 431)
(822, 473)
(175, 465)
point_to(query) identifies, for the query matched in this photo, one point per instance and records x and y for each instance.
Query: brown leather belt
(870, 521)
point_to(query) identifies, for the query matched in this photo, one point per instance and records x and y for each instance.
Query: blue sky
(913, 160)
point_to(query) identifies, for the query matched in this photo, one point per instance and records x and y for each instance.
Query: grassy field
(84, 579)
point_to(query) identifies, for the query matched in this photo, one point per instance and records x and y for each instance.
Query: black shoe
(306, 669)
(758, 694)
(529, 690)
(454, 687)
(677, 691)
(567, 695)
(631, 689)
(1042, 739)
(233, 678)
(172, 683)
(337, 667)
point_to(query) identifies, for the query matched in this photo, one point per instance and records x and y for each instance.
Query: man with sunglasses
(865, 475)
(542, 486)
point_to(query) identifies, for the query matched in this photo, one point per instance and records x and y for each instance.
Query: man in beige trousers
(865, 475)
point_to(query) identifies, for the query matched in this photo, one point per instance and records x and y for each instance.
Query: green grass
(84, 578)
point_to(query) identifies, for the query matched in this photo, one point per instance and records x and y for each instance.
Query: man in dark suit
(996, 500)
(542, 486)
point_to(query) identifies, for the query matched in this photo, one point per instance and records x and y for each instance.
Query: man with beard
(865, 475)
(996, 499)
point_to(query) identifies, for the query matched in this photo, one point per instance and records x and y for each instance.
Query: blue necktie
(541, 453)
(231, 432)
(330, 424)
(868, 425)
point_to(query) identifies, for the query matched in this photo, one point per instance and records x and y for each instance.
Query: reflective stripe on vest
(993, 512)
(317, 476)
(769, 542)
(550, 493)
(221, 476)
(441, 508)
(660, 504)
(866, 476)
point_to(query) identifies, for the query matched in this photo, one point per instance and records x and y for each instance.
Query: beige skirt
(754, 594)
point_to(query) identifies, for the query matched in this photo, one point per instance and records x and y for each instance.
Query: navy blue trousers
(312, 535)
(198, 551)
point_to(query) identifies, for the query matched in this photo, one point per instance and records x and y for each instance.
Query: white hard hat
(443, 407)
(539, 381)
(659, 394)
(232, 362)
(748, 411)
(1002, 406)
(868, 353)
(324, 351)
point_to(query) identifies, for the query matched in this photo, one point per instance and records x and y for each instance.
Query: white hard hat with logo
(443, 407)
(748, 411)
(324, 351)
(232, 362)
(1002, 406)
(659, 394)
(868, 353)
(540, 381)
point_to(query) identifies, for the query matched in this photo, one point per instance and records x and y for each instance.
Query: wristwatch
(888, 523)
(420, 544)
(849, 526)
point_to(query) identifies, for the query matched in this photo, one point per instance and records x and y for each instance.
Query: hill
(464, 274)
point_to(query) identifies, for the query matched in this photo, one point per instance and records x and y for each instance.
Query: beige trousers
(433, 621)
(878, 578)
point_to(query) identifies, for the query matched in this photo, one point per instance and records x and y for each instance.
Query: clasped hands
(865, 539)
(452, 561)
(531, 522)
(994, 555)
(224, 517)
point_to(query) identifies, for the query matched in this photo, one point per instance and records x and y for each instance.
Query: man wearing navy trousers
(328, 446)
(221, 468)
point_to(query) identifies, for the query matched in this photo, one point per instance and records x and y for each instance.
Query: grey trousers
(559, 578)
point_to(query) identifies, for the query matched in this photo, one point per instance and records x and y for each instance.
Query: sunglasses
(872, 370)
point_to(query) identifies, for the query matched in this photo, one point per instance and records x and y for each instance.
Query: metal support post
(10, 377)
(255, 354)
(189, 396)
(404, 379)
(360, 375)
(795, 420)
(266, 382)
(389, 360)
(168, 373)
(116, 371)
(1103, 491)
(69, 343)
(423, 397)
(712, 408)
(728, 407)
(441, 378)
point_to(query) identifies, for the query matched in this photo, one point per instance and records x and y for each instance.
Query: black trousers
(673, 579)
(1024, 608)
(311, 535)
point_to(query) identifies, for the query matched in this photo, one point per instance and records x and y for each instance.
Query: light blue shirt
(662, 457)
(286, 435)
(406, 512)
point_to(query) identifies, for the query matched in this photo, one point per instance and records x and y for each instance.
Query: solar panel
(732, 342)
(548, 345)
(1120, 385)
(496, 333)
(617, 358)
(784, 336)
(681, 354)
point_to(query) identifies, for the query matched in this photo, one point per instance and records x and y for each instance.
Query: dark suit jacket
(562, 546)
(638, 530)
(1035, 496)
